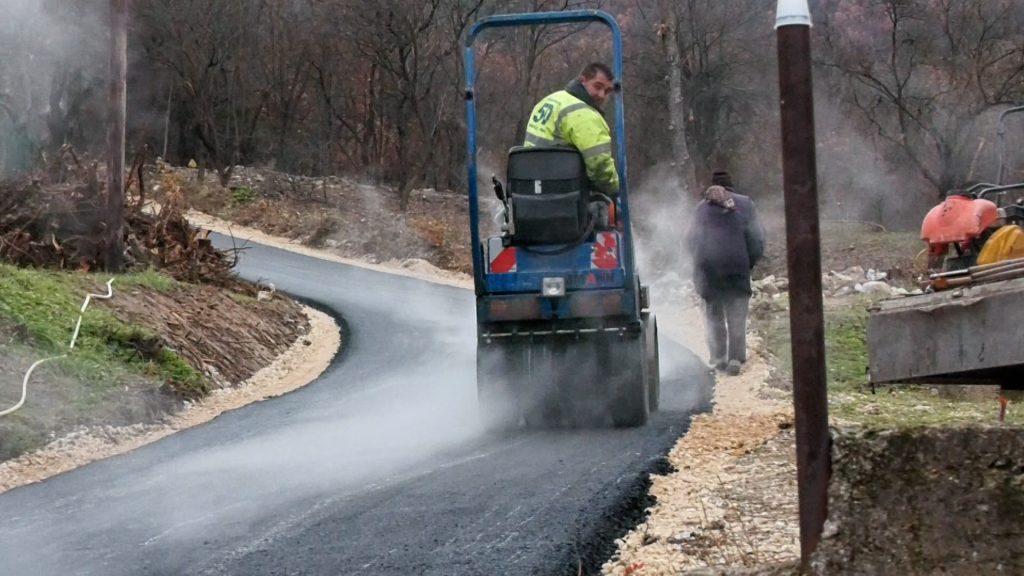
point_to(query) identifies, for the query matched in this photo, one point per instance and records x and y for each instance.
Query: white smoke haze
(23, 87)
(258, 487)
(379, 430)
(1014, 148)
(366, 428)
(983, 148)
(52, 59)
(661, 209)
(857, 182)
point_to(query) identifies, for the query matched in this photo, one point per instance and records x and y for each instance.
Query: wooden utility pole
(803, 245)
(114, 257)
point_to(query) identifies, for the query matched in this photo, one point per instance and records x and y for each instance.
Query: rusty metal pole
(803, 246)
(114, 257)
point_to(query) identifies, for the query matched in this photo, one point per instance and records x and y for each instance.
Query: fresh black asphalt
(378, 467)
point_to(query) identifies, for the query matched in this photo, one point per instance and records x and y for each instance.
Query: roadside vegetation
(44, 306)
(140, 357)
(118, 373)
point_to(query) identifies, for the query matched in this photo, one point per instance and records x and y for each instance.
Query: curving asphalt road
(378, 467)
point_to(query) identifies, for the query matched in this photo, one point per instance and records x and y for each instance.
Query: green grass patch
(242, 195)
(846, 346)
(851, 398)
(47, 303)
(240, 298)
(150, 279)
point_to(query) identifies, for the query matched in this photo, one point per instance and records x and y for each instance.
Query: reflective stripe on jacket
(562, 119)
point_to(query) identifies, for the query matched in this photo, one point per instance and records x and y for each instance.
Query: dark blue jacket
(725, 246)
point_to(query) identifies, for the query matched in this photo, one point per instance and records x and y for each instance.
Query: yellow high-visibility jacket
(562, 119)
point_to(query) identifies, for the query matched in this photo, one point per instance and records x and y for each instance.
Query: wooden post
(803, 243)
(114, 257)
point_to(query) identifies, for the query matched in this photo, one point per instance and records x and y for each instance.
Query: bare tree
(375, 89)
(284, 70)
(711, 85)
(529, 46)
(677, 107)
(211, 59)
(922, 93)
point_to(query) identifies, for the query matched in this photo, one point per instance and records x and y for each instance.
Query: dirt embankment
(228, 336)
(140, 356)
(925, 501)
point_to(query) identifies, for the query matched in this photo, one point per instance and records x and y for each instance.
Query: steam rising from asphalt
(662, 210)
(393, 411)
(373, 427)
(377, 422)
(857, 181)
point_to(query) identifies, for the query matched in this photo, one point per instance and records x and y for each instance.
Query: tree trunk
(524, 104)
(403, 161)
(677, 108)
(167, 121)
(116, 135)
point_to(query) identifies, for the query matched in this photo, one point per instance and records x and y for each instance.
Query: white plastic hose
(74, 338)
(88, 298)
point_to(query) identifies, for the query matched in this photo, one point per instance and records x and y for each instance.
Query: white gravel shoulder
(413, 268)
(731, 501)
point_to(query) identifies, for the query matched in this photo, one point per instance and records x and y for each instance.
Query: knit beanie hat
(721, 178)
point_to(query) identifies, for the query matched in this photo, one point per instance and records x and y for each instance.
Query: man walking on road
(726, 240)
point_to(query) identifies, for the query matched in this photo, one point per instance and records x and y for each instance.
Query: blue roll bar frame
(538, 19)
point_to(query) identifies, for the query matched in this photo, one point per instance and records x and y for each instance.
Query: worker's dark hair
(591, 70)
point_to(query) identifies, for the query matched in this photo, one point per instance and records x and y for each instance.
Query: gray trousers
(726, 322)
